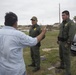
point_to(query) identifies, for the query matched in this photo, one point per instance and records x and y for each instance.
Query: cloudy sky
(45, 10)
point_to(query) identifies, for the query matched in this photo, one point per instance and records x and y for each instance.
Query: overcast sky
(45, 10)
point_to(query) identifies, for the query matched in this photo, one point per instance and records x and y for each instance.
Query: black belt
(62, 39)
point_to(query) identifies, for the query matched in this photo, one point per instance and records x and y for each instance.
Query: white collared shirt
(12, 42)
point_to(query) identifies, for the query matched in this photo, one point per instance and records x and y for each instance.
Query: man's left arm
(71, 32)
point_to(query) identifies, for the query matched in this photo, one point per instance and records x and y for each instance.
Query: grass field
(52, 57)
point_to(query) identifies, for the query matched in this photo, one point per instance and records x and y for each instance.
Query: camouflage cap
(34, 18)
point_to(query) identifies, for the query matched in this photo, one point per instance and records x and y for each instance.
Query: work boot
(68, 74)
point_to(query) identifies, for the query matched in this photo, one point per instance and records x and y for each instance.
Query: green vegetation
(52, 56)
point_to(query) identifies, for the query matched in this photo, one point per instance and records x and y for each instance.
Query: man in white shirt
(12, 42)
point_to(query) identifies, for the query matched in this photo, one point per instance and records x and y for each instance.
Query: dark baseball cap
(34, 18)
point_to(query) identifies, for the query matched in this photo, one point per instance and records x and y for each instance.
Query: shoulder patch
(34, 28)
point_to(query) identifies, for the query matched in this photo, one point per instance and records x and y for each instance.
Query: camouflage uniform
(65, 37)
(35, 53)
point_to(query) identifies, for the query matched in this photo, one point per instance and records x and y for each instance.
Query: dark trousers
(64, 52)
(35, 55)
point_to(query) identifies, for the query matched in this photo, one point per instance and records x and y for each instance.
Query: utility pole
(59, 14)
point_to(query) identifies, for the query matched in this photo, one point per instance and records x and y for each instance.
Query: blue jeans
(24, 73)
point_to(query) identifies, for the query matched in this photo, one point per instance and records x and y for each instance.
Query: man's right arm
(58, 34)
(26, 40)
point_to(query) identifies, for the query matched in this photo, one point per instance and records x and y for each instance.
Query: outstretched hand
(44, 30)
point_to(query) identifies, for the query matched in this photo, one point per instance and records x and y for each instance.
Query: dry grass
(52, 57)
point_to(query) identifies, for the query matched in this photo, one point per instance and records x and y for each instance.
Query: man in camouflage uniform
(65, 37)
(35, 30)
